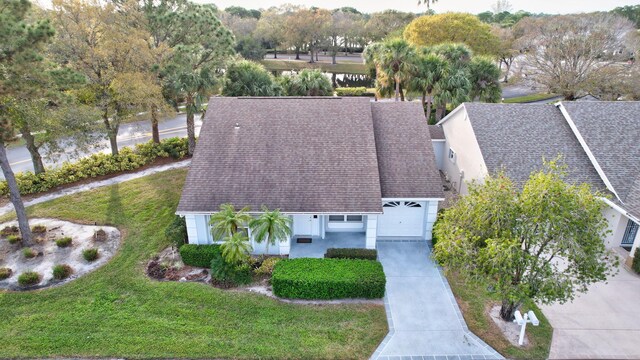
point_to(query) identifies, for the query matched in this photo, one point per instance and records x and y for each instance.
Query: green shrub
(266, 268)
(5, 273)
(351, 253)
(328, 279)
(28, 278)
(39, 229)
(29, 253)
(14, 239)
(90, 254)
(9, 230)
(64, 242)
(98, 165)
(635, 265)
(229, 274)
(176, 232)
(199, 255)
(434, 238)
(61, 272)
(353, 91)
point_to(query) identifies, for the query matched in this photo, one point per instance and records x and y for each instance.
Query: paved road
(603, 323)
(130, 134)
(425, 321)
(357, 58)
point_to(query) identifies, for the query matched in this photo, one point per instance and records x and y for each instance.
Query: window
(345, 218)
(412, 204)
(452, 155)
(391, 204)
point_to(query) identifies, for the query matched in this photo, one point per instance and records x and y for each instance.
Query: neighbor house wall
(438, 150)
(461, 138)
(616, 226)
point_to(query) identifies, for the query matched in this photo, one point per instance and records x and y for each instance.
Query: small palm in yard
(236, 248)
(227, 221)
(271, 226)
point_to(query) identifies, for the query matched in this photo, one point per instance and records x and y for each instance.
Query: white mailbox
(529, 317)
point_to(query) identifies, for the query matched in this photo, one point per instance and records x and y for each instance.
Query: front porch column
(285, 247)
(372, 228)
(432, 216)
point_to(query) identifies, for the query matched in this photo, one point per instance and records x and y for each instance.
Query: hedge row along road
(129, 135)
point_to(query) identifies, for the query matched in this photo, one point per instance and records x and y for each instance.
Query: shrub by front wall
(636, 261)
(198, 255)
(353, 91)
(351, 253)
(328, 279)
(98, 165)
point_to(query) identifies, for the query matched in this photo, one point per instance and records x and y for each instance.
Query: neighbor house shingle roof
(405, 155)
(611, 131)
(436, 132)
(516, 138)
(294, 154)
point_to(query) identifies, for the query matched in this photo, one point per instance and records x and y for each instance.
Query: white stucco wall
(438, 150)
(617, 224)
(461, 138)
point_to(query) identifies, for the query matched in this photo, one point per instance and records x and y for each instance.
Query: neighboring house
(599, 142)
(335, 165)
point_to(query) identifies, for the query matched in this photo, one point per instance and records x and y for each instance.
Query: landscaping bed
(328, 279)
(117, 311)
(63, 251)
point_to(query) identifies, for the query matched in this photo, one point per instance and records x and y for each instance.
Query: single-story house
(599, 142)
(339, 166)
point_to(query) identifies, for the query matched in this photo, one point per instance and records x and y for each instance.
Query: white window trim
(344, 219)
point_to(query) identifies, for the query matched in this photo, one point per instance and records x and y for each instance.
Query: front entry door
(629, 234)
(308, 225)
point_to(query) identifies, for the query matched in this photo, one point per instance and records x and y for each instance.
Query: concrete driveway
(424, 319)
(603, 323)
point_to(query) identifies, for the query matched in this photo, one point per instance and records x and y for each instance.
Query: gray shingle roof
(436, 132)
(516, 137)
(611, 130)
(308, 155)
(405, 155)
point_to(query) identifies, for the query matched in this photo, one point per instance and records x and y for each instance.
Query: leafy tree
(541, 242)
(381, 24)
(455, 88)
(271, 226)
(227, 221)
(452, 28)
(250, 48)
(343, 26)
(235, 248)
(192, 69)
(309, 82)
(564, 52)
(507, 49)
(270, 28)
(631, 12)
(22, 39)
(242, 12)
(246, 78)
(103, 43)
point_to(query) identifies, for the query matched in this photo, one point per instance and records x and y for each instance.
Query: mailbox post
(529, 317)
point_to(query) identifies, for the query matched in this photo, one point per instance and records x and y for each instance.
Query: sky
(471, 6)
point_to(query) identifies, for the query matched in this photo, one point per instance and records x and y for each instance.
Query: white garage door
(401, 218)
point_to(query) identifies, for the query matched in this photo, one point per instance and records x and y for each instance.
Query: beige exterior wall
(469, 164)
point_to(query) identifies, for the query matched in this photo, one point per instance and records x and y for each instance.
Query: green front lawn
(117, 311)
(474, 301)
(288, 65)
(530, 98)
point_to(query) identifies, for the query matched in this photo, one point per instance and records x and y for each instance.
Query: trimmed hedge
(635, 265)
(199, 255)
(353, 91)
(351, 253)
(328, 279)
(98, 165)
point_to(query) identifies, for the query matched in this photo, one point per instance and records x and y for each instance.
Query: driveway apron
(424, 319)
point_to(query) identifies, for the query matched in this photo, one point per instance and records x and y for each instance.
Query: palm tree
(429, 71)
(226, 222)
(310, 83)
(271, 226)
(485, 80)
(235, 248)
(453, 89)
(397, 59)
